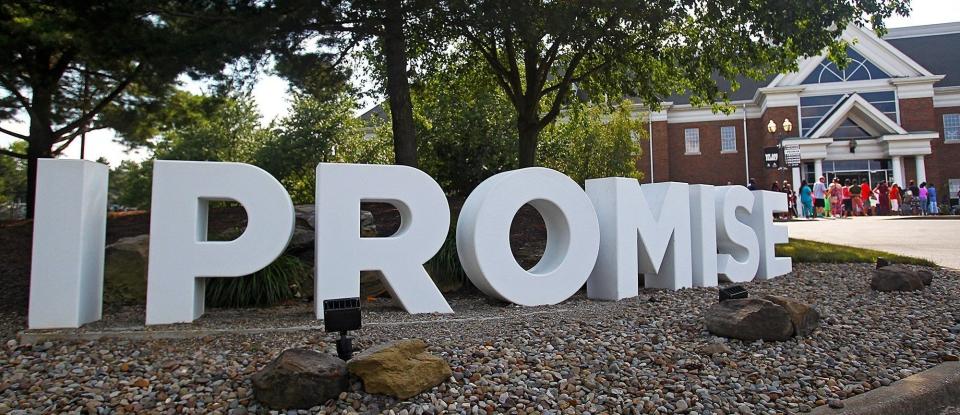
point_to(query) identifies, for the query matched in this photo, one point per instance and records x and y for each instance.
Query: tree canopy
(540, 51)
(74, 66)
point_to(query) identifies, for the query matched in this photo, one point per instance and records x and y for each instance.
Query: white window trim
(944, 120)
(686, 150)
(734, 150)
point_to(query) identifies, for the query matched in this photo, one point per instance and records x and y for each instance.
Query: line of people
(841, 200)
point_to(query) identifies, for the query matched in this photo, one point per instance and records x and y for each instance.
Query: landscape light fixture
(342, 315)
(882, 262)
(733, 292)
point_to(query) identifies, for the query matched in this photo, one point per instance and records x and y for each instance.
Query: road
(935, 239)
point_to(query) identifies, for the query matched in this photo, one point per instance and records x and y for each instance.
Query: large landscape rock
(306, 218)
(300, 379)
(897, 278)
(805, 318)
(401, 368)
(125, 270)
(926, 276)
(749, 319)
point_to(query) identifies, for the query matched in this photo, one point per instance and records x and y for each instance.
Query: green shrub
(280, 281)
(445, 268)
(590, 141)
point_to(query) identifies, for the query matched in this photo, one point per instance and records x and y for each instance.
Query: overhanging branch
(13, 134)
(13, 154)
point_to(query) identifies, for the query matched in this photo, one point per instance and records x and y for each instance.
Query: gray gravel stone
(582, 356)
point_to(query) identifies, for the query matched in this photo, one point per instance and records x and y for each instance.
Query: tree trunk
(529, 134)
(398, 87)
(40, 146)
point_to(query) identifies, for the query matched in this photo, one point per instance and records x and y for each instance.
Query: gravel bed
(644, 355)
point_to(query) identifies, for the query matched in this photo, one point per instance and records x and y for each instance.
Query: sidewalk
(935, 239)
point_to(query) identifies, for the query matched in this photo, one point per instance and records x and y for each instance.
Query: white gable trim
(865, 42)
(861, 112)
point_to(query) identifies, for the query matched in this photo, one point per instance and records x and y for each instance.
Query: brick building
(892, 114)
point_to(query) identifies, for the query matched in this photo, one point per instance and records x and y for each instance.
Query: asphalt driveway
(935, 239)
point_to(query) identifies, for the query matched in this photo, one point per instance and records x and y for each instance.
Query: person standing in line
(855, 200)
(806, 199)
(836, 199)
(924, 206)
(787, 189)
(847, 199)
(865, 194)
(909, 203)
(915, 200)
(895, 199)
(752, 185)
(819, 193)
(792, 204)
(932, 197)
(883, 199)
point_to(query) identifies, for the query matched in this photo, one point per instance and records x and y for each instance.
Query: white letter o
(573, 236)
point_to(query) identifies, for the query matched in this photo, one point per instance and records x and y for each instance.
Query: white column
(817, 169)
(796, 179)
(897, 162)
(921, 170)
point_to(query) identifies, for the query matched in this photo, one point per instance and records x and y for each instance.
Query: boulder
(926, 276)
(896, 278)
(401, 368)
(300, 379)
(301, 241)
(749, 319)
(371, 284)
(805, 318)
(306, 218)
(125, 271)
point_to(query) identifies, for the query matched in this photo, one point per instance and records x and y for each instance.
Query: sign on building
(771, 157)
(791, 155)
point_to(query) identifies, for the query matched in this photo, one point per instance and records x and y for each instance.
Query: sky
(271, 92)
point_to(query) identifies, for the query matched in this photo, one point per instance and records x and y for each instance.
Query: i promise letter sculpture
(675, 235)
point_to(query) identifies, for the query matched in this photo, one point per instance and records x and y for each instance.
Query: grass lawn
(802, 250)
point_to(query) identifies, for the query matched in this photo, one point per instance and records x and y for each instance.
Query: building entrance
(873, 171)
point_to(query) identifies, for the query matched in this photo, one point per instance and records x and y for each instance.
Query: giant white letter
(483, 236)
(737, 243)
(69, 225)
(642, 229)
(342, 253)
(768, 234)
(180, 255)
(703, 222)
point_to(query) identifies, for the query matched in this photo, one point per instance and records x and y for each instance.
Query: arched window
(858, 69)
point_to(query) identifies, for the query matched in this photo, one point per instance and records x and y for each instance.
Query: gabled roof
(888, 58)
(859, 111)
(748, 89)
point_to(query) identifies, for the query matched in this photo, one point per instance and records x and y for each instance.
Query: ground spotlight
(342, 315)
(732, 292)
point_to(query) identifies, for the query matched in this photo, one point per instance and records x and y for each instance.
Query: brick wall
(760, 138)
(946, 156)
(918, 114)
(661, 155)
(710, 166)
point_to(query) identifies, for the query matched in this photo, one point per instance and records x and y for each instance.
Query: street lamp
(772, 128)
